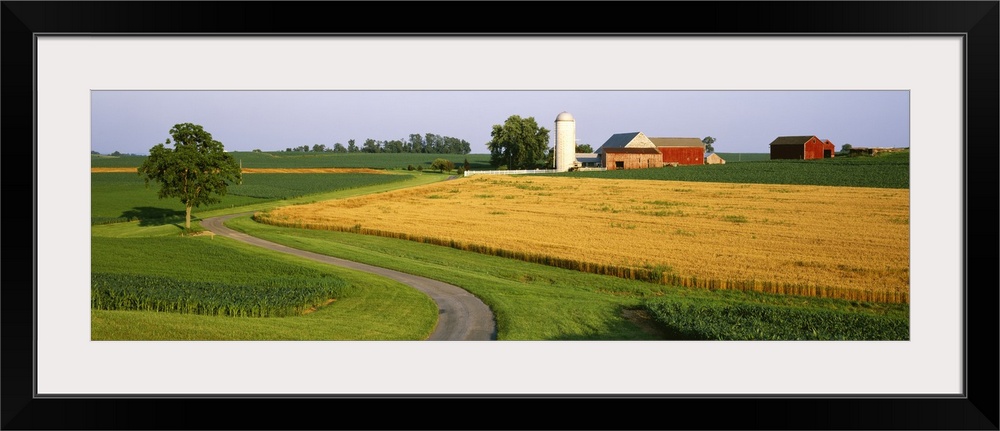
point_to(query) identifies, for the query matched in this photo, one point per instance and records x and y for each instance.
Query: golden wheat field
(722, 234)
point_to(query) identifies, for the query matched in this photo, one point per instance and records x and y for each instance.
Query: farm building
(828, 146)
(714, 159)
(588, 160)
(680, 151)
(629, 151)
(800, 147)
(873, 151)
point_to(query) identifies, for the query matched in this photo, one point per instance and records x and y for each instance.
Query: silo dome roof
(564, 116)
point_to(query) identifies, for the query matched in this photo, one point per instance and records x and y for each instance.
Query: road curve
(461, 316)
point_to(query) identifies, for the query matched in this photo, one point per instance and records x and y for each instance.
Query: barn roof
(678, 142)
(629, 140)
(620, 140)
(792, 140)
(636, 150)
(588, 158)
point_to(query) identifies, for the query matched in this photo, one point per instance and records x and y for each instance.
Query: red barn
(798, 147)
(829, 150)
(682, 151)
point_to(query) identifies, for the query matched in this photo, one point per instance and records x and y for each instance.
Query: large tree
(518, 143)
(197, 170)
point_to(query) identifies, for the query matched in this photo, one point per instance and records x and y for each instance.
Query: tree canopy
(518, 143)
(708, 141)
(197, 170)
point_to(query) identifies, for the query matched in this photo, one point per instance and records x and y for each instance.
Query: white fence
(525, 171)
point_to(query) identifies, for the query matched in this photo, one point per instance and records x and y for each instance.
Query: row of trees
(428, 143)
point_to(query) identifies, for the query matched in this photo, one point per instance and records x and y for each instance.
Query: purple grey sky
(740, 121)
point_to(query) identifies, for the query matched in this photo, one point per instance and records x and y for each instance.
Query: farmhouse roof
(634, 150)
(678, 142)
(792, 140)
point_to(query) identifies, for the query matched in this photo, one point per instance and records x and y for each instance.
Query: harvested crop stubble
(821, 240)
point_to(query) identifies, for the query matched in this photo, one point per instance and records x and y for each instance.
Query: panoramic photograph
(378, 215)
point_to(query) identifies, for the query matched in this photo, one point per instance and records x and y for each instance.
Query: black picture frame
(976, 21)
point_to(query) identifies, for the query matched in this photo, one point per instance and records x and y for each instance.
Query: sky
(740, 121)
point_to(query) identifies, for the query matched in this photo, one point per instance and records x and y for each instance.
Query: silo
(565, 153)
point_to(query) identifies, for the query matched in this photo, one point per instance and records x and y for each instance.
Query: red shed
(829, 150)
(682, 151)
(797, 147)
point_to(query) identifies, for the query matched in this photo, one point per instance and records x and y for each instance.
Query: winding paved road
(461, 316)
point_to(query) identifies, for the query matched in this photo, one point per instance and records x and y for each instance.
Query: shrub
(443, 165)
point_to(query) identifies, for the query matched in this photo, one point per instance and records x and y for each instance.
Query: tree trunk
(187, 220)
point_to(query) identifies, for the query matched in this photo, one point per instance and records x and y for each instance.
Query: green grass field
(296, 159)
(887, 171)
(117, 197)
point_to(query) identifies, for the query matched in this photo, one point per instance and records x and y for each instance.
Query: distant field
(296, 159)
(123, 196)
(813, 240)
(885, 171)
(744, 157)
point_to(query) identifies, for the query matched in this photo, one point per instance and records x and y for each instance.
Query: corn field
(721, 321)
(148, 293)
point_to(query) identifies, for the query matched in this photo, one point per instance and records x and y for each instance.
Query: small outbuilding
(680, 151)
(714, 159)
(829, 150)
(588, 160)
(629, 151)
(799, 148)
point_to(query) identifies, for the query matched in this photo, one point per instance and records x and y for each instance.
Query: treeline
(428, 143)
